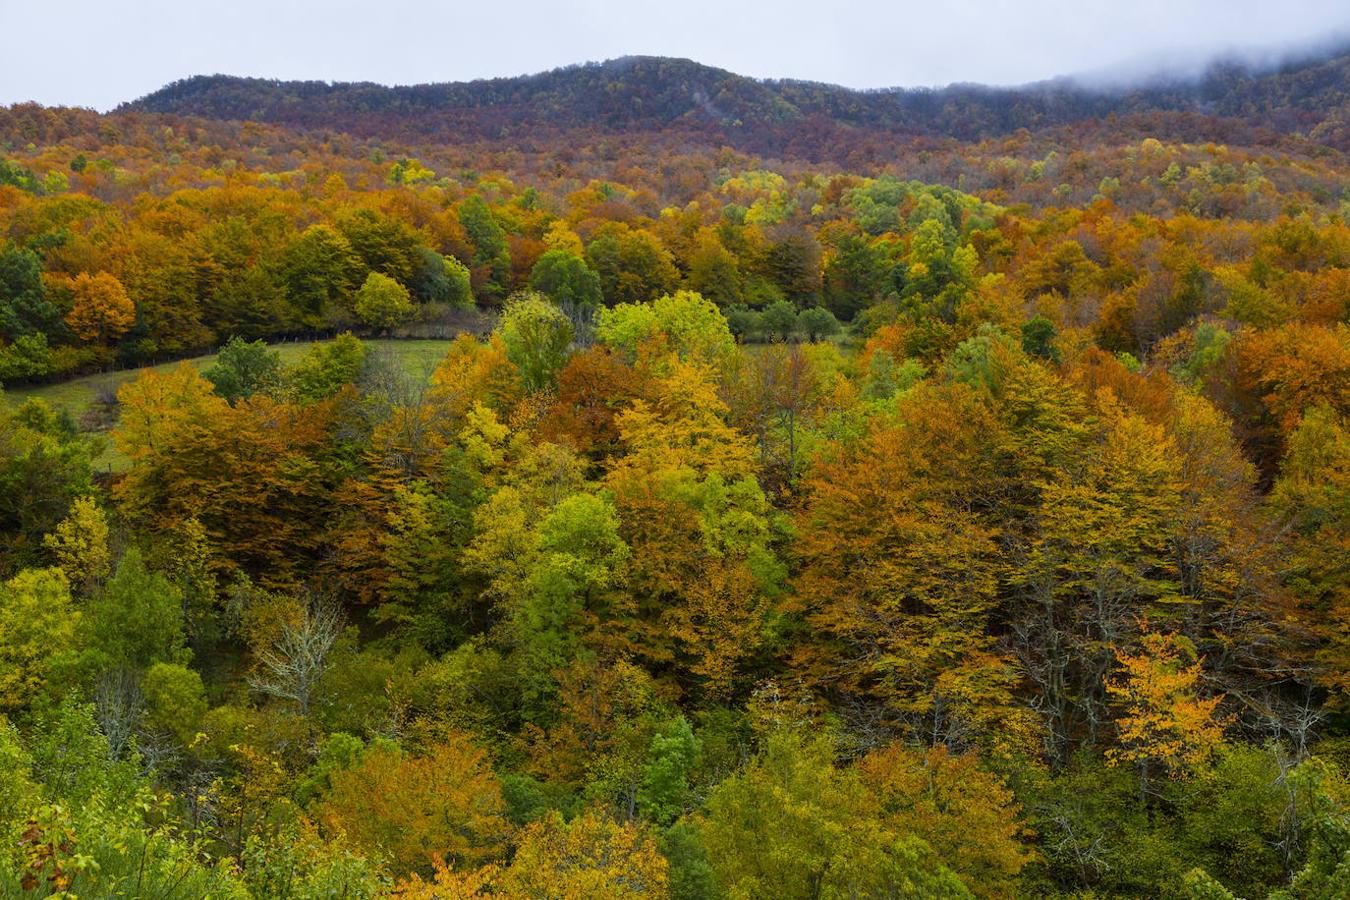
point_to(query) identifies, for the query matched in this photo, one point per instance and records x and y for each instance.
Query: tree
(591, 856)
(319, 271)
(137, 620)
(1102, 556)
(243, 369)
(632, 265)
(293, 665)
(29, 357)
(898, 576)
(855, 275)
(779, 319)
(80, 544)
(1311, 498)
(691, 325)
(101, 311)
(566, 280)
(715, 272)
(382, 302)
(1163, 717)
(444, 803)
(538, 339)
(45, 465)
(792, 825)
(1038, 338)
(25, 309)
(327, 368)
(491, 255)
(175, 699)
(743, 322)
(442, 279)
(665, 791)
(39, 626)
(382, 243)
(258, 476)
(965, 813)
(817, 322)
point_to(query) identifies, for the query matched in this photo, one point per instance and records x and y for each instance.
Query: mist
(1188, 65)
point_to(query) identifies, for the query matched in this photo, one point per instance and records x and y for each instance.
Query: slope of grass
(417, 358)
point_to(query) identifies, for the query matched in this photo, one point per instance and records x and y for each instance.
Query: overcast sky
(98, 53)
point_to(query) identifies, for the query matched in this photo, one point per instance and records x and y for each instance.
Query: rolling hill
(1309, 98)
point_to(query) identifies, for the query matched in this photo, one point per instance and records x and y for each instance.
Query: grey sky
(97, 53)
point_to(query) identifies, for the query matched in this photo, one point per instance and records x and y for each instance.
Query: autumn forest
(794, 493)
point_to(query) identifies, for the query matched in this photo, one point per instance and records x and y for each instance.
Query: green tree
(383, 243)
(817, 322)
(745, 323)
(690, 324)
(632, 265)
(792, 825)
(674, 756)
(1038, 338)
(137, 620)
(566, 279)
(327, 368)
(175, 699)
(319, 271)
(491, 255)
(441, 279)
(27, 358)
(38, 633)
(80, 544)
(244, 368)
(45, 465)
(383, 303)
(538, 339)
(779, 319)
(24, 307)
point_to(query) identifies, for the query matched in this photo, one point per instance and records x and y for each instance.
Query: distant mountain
(1309, 98)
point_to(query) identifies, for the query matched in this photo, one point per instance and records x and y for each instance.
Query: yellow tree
(257, 475)
(1163, 718)
(703, 569)
(964, 812)
(417, 809)
(38, 628)
(1312, 501)
(682, 425)
(897, 579)
(593, 857)
(447, 884)
(100, 310)
(80, 544)
(1100, 554)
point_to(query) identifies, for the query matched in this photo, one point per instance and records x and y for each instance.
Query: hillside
(631, 94)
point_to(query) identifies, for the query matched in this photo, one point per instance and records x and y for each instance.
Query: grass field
(416, 357)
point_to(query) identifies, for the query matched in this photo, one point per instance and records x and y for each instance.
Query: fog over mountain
(1182, 65)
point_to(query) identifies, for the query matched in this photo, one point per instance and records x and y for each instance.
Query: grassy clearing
(79, 394)
(417, 358)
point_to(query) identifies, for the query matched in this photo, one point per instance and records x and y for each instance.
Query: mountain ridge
(1310, 97)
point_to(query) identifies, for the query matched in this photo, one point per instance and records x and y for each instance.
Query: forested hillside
(958, 509)
(1308, 96)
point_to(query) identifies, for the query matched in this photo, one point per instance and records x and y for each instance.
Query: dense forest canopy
(817, 494)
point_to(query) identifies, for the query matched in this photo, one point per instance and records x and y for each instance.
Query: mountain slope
(1311, 98)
